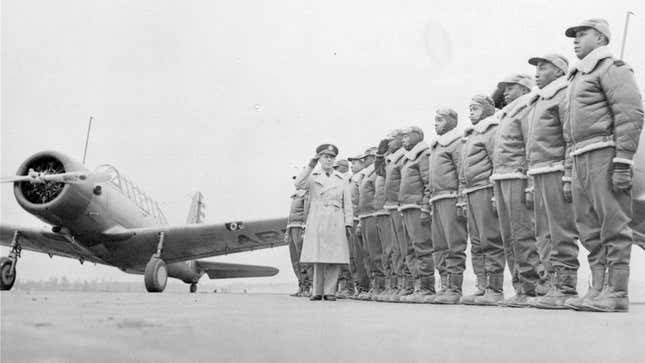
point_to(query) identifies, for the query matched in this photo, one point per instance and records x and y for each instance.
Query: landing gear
(156, 272)
(193, 288)
(8, 264)
(156, 275)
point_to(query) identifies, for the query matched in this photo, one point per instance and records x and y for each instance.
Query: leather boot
(519, 300)
(452, 296)
(356, 291)
(442, 288)
(480, 290)
(397, 284)
(365, 295)
(346, 290)
(407, 288)
(494, 291)
(564, 287)
(524, 294)
(297, 293)
(426, 290)
(407, 298)
(343, 292)
(306, 290)
(614, 297)
(545, 284)
(386, 290)
(597, 283)
(390, 288)
(379, 287)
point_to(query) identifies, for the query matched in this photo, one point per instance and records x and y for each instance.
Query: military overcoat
(330, 211)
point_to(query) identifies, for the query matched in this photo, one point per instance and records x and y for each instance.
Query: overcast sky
(229, 97)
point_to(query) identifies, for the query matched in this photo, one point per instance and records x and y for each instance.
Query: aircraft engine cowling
(52, 202)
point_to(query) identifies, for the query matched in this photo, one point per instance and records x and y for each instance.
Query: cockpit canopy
(130, 190)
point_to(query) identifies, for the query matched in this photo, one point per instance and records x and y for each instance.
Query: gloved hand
(493, 204)
(566, 191)
(621, 178)
(528, 199)
(383, 146)
(425, 218)
(461, 210)
(349, 230)
(358, 228)
(286, 237)
(314, 161)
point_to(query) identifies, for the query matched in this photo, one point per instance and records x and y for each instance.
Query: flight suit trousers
(357, 260)
(325, 278)
(487, 248)
(602, 216)
(542, 235)
(518, 234)
(372, 244)
(400, 257)
(303, 271)
(448, 237)
(419, 237)
(387, 237)
(559, 220)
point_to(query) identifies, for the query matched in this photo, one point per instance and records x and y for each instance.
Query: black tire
(193, 288)
(7, 279)
(155, 275)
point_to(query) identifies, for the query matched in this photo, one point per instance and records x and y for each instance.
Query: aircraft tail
(197, 209)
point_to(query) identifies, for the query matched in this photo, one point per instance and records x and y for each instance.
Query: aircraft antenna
(87, 138)
(622, 47)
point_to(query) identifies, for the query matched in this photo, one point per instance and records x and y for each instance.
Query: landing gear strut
(156, 272)
(8, 264)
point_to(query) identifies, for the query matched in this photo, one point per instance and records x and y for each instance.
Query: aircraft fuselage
(87, 214)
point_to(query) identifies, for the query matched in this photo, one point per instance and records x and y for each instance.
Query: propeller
(73, 177)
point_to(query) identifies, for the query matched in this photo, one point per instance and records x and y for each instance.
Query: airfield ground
(208, 327)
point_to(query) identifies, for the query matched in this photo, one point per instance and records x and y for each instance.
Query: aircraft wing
(134, 247)
(41, 240)
(220, 270)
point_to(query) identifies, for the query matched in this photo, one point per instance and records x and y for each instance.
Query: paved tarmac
(207, 327)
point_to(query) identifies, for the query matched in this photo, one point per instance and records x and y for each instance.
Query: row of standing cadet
(550, 166)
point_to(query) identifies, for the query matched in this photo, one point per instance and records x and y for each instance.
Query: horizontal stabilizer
(221, 270)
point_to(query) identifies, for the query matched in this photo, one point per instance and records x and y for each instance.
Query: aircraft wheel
(193, 287)
(7, 279)
(156, 275)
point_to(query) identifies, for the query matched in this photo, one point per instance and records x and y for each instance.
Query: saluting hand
(314, 161)
(383, 146)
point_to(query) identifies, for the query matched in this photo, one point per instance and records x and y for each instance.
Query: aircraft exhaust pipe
(53, 202)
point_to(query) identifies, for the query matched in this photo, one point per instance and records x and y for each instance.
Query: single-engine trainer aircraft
(102, 217)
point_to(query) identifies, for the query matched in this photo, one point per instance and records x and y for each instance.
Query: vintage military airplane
(102, 217)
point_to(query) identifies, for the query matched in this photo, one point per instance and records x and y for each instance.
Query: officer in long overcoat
(329, 221)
